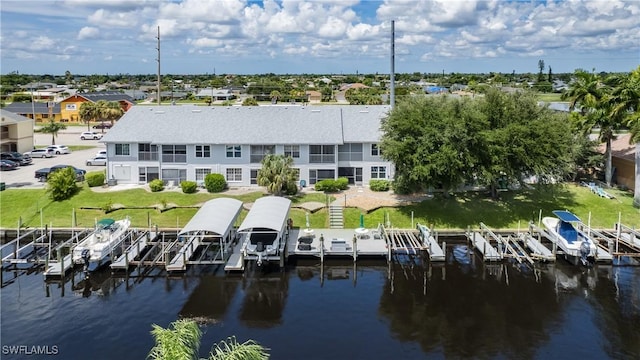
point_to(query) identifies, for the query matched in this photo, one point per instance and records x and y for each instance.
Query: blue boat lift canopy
(566, 216)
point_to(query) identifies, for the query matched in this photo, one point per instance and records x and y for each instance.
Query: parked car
(40, 153)
(8, 165)
(43, 174)
(102, 152)
(90, 135)
(59, 149)
(98, 160)
(102, 126)
(16, 157)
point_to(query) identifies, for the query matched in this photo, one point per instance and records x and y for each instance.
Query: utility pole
(392, 93)
(158, 59)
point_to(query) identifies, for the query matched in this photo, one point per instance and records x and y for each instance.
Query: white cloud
(88, 32)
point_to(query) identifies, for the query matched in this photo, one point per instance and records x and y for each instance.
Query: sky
(317, 37)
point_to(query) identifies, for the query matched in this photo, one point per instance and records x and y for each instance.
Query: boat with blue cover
(566, 230)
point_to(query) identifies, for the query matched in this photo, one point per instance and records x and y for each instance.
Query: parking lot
(23, 176)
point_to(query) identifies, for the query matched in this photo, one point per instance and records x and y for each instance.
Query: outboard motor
(259, 247)
(585, 250)
(85, 257)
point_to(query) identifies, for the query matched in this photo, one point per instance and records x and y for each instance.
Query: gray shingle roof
(12, 118)
(267, 125)
(27, 108)
(107, 96)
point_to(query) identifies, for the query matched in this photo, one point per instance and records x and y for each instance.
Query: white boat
(95, 250)
(566, 231)
(262, 244)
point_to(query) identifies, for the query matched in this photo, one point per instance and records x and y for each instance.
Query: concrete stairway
(336, 218)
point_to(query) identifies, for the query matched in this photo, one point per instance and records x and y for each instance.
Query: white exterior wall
(125, 169)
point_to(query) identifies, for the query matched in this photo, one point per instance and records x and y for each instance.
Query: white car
(102, 152)
(40, 153)
(59, 149)
(90, 135)
(98, 160)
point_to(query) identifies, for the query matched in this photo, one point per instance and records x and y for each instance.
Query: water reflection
(265, 297)
(210, 300)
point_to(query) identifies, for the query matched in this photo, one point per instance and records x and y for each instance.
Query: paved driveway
(24, 176)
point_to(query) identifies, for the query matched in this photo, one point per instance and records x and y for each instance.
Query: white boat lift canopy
(269, 212)
(216, 216)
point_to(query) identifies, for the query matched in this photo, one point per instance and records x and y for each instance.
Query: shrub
(156, 185)
(342, 183)
(379, 185)
(62, 184)
(189, 187)
(95, 178)
(291, 188)
(327, 185)
(215, 183)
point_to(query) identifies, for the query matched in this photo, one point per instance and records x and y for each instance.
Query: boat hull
(580, 251)
(95, 250)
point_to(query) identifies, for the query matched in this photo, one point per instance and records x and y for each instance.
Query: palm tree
(277, 174)
(53, 128)
(88, 112)
(181, 340)
(625, 102)
(110, 110)
(590, 93)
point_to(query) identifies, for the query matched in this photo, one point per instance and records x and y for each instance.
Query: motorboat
(262, 244)
(95, 250)
(566, 231)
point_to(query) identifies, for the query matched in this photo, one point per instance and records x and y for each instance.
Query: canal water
(462, 309)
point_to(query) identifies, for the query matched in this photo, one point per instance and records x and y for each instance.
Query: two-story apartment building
(70, 107)
(177, 143)
(16, 132)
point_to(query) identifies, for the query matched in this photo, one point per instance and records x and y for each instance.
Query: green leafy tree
(21, 97)
(110, 110)
(53, 128)
(61, 184)
(541, 69)
(277, 174)
(275, 96)
(445, 143)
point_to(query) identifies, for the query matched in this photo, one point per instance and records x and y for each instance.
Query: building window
(122, 149)
(203, 151)
(292, 151)
(254, 176)
(147, 152)
(201, 174)
(175, 175)
(375, 150)
(174, 153)
(147, 174)
(258, 152)
(316, 175)
(234, 175)
(234, 151)
(378, 172)
(350, 152)
(322, 154)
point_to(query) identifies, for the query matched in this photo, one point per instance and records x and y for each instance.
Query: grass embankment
(457, 212)
(549, 97)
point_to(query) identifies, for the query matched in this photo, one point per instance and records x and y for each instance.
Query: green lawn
(456, 212)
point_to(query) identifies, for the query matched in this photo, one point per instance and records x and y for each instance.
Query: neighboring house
(217, 94)
(314, 96)
(16, 132)
(622, 161)
(136, 94)
(70, 107)
(177, 143)
(41, 111)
